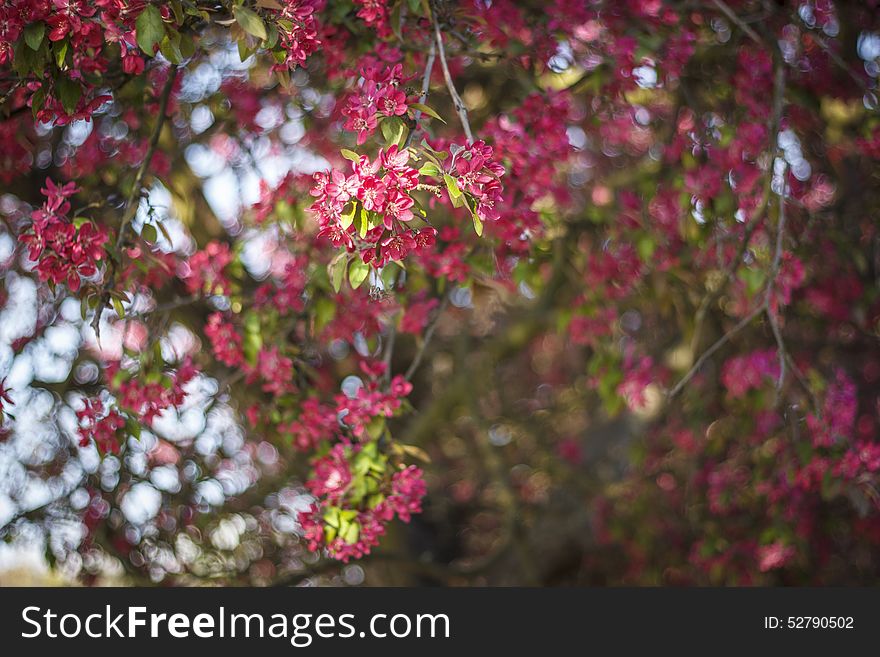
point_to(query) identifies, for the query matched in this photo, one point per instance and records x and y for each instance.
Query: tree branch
(131, 206)
(740, 23)
(754, 220)
(771, 285)
(426, 85)
(456, 99)
(724, 339)
(132, 202)
(429, 333)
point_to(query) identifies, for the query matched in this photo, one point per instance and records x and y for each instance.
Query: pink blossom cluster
(638, 374)
(477, 172)
(740, 374)
(838, 414)
(382, 189)
(331, 475)
(417, 313)
(15, 157)
(378, 94)
(285, 295)
(533, 141)
(205, 273)
(99, 424)
(316, 422)
(273, 370)
(364, 524)
(375, 13)
(298, 29)
(87, 28)
(63, 251)
(226, 343)
(775, 555)
(369, 402)
(146, 397)
(590, 329)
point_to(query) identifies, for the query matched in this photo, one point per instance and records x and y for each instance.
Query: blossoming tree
(575, 291)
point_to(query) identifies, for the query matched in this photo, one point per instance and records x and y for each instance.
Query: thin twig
(771, 285)
(426, 78)
(164, 307)
(727, 11)
(778, 103)
(131, 206)
(426, 85)
(837, 59)
(724, 339)
(429, 333)
(389, 350)
(754, 220)
(5, 97)
(456, 99)
(133, 201)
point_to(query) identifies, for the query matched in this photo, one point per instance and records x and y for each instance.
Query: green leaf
(350, 155)
(646, 247)
(177, 8)
(478, 224)
(351, 533)
(376, 427)
(425, 109)
(429, 169)
(187, 46)
(364, 224)
(169, 48)
(325, 310)
(394, 130)
(69, 93)
(133, 427)
(347, 218)
(243, 51)
(451, 185)
(331, 516)
(60, 50)
(250, 22)
(38, 100)
(455, 194)
(336, 270)
(33, 35)
(150, 29)
(358, 273)
(272, 37)
(148, 232)
(26, 61)
(117, 306)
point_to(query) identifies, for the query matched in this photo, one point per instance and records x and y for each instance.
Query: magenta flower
(372, 194)
(392, 102)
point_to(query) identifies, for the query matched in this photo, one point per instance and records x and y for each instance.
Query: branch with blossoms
(321, 282)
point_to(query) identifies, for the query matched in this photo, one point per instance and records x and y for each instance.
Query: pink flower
(750, 372)
(415, 318)
(331, 476)
(225, 341)
(99, 425)
(392, 102)
(774, 556)
(838, 413)
(205, 270)
(371, 194)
